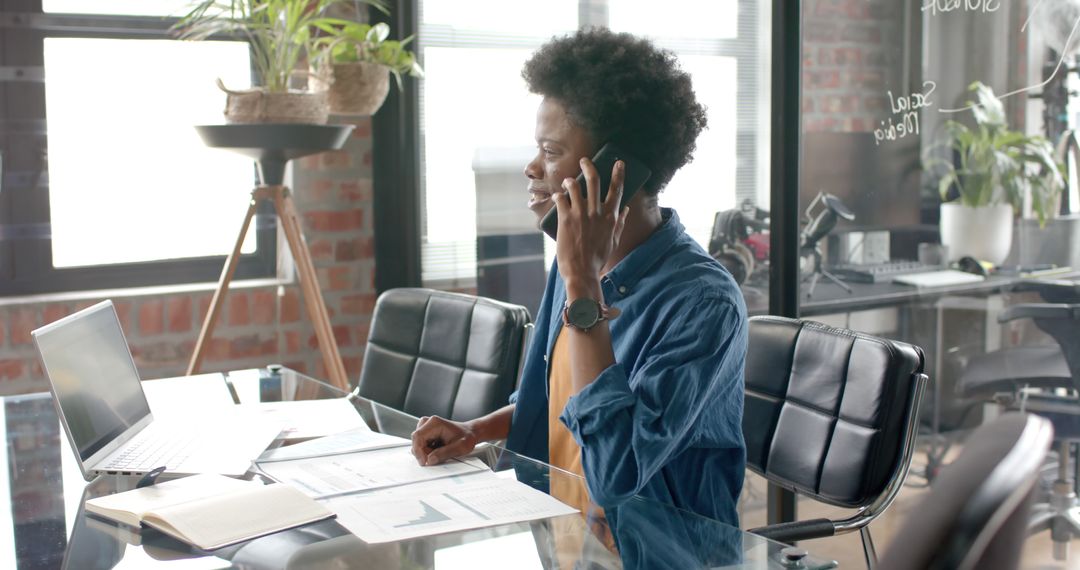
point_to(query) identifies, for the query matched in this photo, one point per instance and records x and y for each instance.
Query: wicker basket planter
(257, 106)
(354, 88)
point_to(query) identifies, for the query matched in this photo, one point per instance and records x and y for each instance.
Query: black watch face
(583, 313)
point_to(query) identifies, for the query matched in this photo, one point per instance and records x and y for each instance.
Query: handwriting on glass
(905, 114)
(944, 6)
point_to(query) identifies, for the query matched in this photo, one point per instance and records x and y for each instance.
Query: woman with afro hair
(640, 387)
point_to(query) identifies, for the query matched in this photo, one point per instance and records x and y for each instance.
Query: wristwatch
(584, 313)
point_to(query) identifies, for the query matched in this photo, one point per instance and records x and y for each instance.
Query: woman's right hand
(436, 439)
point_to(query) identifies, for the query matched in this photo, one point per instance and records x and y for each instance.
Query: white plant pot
(984, 233)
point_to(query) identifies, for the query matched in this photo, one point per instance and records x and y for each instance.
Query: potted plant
(281, 34)
(354, 63)
(995, 171)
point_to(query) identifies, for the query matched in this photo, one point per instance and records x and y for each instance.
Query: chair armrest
(1051, 290)
(1040, 311)
(798, 530)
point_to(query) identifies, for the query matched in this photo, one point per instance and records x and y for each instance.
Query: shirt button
(545, 358)
(622, 289)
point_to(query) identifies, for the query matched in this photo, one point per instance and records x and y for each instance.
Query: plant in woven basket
(281, 34)
(355, 60)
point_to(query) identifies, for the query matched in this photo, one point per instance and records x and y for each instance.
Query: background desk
(952, 324)
(45, 526)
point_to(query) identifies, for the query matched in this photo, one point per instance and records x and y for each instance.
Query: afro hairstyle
(622, 89)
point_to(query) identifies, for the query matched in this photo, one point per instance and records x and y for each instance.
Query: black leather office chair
(976, 513)
(831, 414)
(433, 352)
(1004, 374)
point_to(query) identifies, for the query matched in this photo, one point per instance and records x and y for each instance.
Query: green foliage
(281, 32)
(996, 165)
(351, 42)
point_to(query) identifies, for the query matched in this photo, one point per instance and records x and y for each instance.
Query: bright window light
(546, 19)
(707, 185)
(675, 18)
(129, 178)
(458, 122)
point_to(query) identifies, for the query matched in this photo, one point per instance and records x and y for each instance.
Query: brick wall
(258, 324)
(849, 49)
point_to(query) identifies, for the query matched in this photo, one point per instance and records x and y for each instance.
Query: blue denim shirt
(664, 421)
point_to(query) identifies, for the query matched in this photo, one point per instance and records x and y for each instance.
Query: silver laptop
(104, 411)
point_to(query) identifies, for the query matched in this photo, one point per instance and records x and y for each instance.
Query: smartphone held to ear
(635, 176)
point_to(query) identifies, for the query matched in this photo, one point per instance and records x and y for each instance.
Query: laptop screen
(93, 376)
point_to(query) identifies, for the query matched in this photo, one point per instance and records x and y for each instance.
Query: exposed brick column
(846, 49)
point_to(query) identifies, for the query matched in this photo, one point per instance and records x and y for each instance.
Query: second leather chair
(439, 353)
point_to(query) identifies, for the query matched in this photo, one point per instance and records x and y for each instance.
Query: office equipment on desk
(817, 227)
(211, 511)
(883, 272)
(106, 416)
(327, 476)
(940, 278)
(86, 540)
(452, 504)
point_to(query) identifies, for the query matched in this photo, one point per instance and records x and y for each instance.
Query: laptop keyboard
(154, 451)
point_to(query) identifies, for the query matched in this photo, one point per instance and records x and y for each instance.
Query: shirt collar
(626, 274)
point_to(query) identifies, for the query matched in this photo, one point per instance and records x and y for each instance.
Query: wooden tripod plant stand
(273, 146)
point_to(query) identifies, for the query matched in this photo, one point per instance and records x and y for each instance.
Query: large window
(106, 183)
(477, 117)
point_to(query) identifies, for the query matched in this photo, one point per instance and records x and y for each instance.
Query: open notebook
(211, 511)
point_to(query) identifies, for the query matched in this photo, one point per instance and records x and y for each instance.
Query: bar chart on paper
(455, 503)
(427, 515)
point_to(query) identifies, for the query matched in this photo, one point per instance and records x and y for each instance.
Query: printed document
(362, 439)
(309, 419)
(445, 505)
(185, 396)
(321, 477)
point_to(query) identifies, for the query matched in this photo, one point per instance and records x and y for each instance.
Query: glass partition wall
(933, 137)
(477, 235)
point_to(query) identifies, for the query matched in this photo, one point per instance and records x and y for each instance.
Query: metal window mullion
(86, 25)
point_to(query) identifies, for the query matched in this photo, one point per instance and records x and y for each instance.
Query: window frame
(746, 49)
(26, 265)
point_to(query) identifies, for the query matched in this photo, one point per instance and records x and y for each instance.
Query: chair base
(1061, 515)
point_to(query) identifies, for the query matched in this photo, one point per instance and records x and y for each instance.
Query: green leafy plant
(993, 164)
(352, 42)
(281, 32)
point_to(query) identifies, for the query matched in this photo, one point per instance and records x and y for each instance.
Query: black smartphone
(636, 174)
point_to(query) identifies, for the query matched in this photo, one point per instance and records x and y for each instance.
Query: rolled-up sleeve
(630, 426)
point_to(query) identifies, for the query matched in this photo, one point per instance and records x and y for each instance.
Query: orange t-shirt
(564, 453)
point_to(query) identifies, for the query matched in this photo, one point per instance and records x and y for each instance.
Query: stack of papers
(379, 492)
(360, 439)
(453, 504)
(333, 475)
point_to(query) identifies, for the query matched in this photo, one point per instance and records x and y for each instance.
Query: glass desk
(47, 526)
